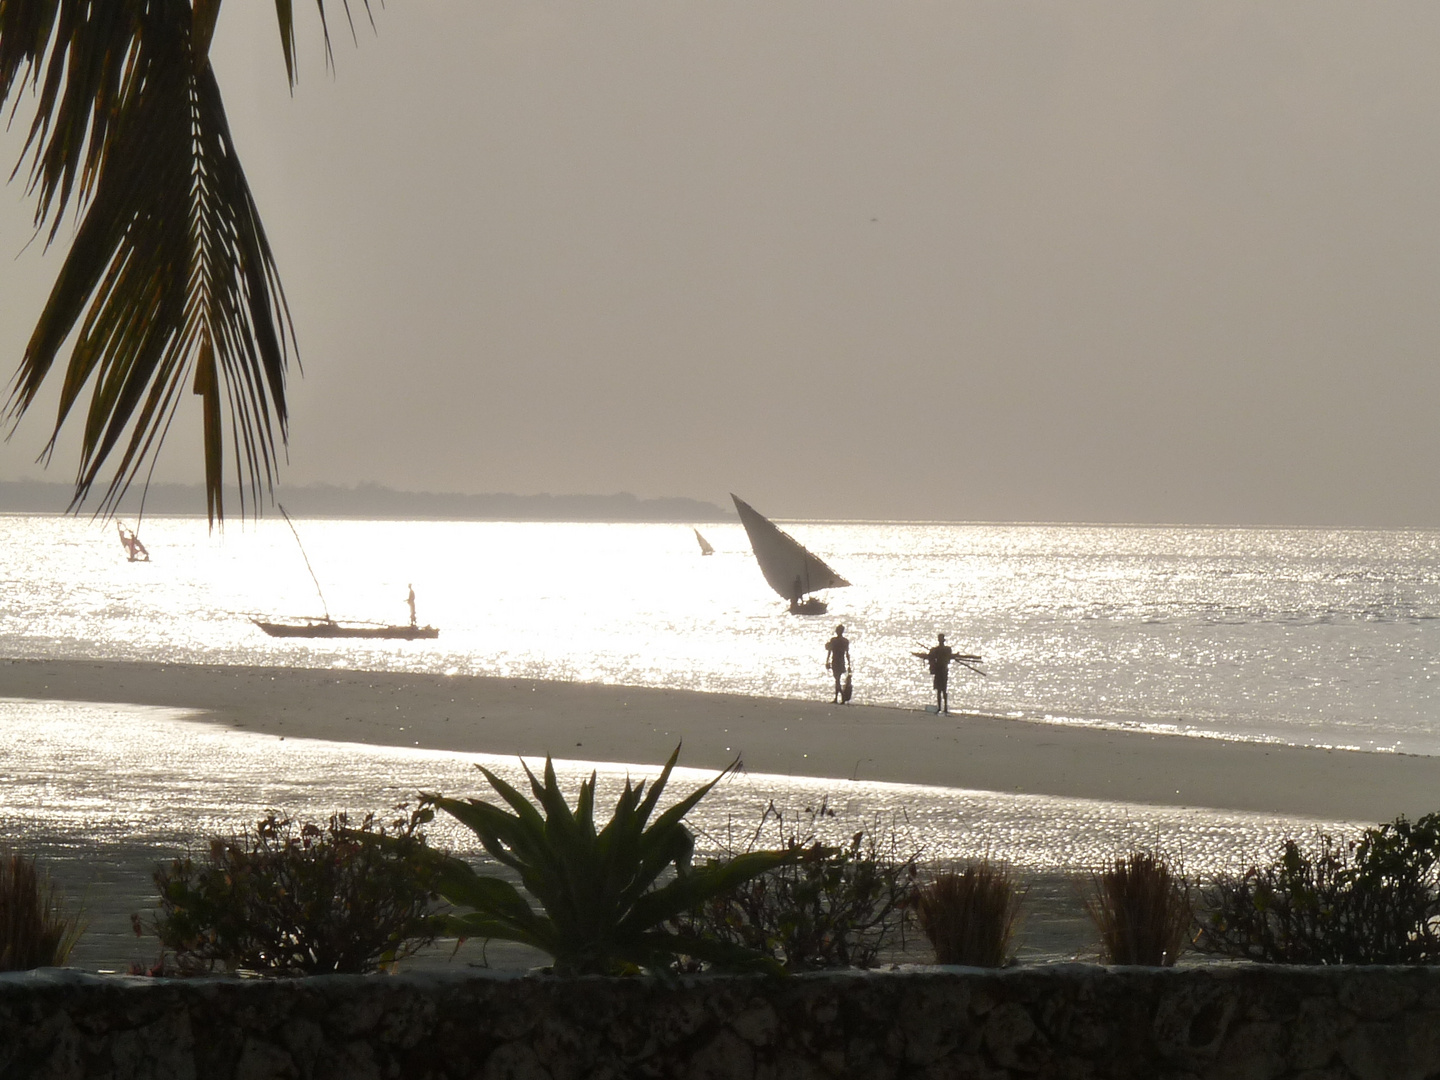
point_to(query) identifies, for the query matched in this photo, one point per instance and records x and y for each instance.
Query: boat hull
(322, 629)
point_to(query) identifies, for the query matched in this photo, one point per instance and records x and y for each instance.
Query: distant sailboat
(791, 571)
(134, 549)
(705, 548)
(329, 628)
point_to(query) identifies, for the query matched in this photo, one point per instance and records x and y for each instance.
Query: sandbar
(630, 725)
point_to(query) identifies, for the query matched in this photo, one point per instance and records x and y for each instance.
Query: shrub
(828, 906)
(604, 911)
(1372, 900)
(34, 930)
(1142, 910)
(970, 917)
(285, 898)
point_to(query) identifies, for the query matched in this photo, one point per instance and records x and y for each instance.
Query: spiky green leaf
(602, 904)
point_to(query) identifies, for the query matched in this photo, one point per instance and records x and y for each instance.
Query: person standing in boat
(837, 662)
(410, 599)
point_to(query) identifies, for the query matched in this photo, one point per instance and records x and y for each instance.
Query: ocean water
(1308, 637)
(1312, 637)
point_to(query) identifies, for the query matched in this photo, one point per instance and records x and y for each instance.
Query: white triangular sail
(134, 549)
(705, 548)
(791, 570)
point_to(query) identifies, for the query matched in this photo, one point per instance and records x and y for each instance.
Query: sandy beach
(634, 725)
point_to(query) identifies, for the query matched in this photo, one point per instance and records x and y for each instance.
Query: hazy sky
(1099, 261)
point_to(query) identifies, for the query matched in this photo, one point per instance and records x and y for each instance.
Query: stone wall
(1067, 1021)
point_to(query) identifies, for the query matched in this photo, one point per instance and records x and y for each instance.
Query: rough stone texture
(1074, 1022)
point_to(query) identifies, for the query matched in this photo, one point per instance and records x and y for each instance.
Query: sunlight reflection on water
(77, 775)
(1313, 637)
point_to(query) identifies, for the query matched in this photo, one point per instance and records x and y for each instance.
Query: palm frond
(170, 280)
(285, 16)
(203, 16)
(76, 58)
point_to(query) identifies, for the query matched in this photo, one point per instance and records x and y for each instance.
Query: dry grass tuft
(34, 930)
(970, 917)
(1142, 909)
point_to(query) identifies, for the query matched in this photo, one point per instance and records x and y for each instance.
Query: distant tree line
(377, 501)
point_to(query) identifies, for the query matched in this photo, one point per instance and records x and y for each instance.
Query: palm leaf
(284, 15)
(170, 281)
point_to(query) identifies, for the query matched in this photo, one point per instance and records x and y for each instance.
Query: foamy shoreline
(636, 725)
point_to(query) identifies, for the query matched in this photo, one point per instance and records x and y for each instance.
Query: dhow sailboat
(791, 571)
(326, 627)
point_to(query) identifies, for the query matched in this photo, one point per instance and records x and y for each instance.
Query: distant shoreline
(376, 502)
(628, 725)
(338, 502)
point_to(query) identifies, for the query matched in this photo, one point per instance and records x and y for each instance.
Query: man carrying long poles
(940, 657)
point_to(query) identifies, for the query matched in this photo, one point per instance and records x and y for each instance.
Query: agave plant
(604, 909)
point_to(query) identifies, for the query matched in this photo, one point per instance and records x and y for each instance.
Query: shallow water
(1311, 637)
(99, 774)
(102, 793)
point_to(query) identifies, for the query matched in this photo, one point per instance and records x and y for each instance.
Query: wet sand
(631, 725)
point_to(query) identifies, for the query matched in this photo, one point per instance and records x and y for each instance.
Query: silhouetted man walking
(837, 661)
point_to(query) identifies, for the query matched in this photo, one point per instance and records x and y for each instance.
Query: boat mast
(313, 578)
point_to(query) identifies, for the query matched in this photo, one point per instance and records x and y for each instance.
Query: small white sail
(134, 549)
(705, 548)
(791, 571)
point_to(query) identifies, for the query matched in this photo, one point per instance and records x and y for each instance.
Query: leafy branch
(170, 280)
